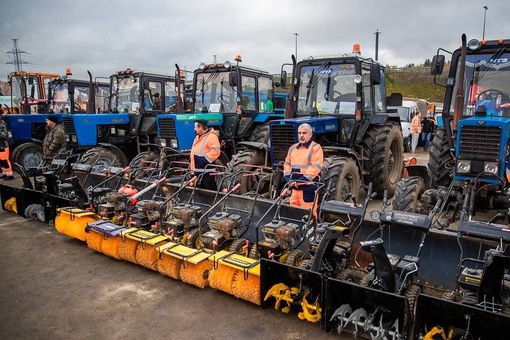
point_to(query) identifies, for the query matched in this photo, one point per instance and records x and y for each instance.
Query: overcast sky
(104, 36)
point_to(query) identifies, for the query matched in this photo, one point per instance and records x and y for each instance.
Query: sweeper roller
(128, 246)
(167, 264)
(236, 275)
(110, 239)
(146, 253)
(72, 222)
(191, 264)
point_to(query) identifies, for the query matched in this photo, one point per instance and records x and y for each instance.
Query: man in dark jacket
(428, 126)
(54, 140)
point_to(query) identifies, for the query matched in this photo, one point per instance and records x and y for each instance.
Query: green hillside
(414, 82)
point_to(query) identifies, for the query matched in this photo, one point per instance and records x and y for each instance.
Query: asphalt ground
(55, 287)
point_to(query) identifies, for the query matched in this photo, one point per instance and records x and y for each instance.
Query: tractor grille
(167, 128)
(480, 141)
(68, 123)
(282, 137)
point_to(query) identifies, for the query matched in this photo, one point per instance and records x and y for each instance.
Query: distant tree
(427, 62)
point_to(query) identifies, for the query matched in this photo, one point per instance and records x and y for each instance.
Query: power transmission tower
(16, 56)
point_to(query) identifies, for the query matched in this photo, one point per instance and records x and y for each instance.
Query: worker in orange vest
(5, 163)
(303, 164)
(205, 150)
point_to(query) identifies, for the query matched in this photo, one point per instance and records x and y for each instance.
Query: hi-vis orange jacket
(205, 150)
(306, 159)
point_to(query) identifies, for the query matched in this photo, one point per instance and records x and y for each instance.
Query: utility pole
(297, 35)
(17, 61)
(484, 17)
(377, 44)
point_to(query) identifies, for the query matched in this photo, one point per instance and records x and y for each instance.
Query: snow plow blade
(458, 319)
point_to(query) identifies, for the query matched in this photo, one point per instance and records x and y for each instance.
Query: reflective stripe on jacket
(306, 159)
(205, 150)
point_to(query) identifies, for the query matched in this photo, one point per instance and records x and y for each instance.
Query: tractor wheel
(411, 295)
(440, 157)
(295, 257)
(341, 177)
(383, 157)
(408, 193)
(194, 240)
(237, 247)
(407, 144)
(100, 159)
(351, 275)
(244, 161)
(146, 159)
(28, 155)
(260, 134)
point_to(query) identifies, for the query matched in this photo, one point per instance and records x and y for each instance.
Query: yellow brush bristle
(222, 278)
(147, 255)
(127, 250)
(76, 228)
(196, 274)
(170, 266)
(95, 241)
(248, 289)
(111, 245)
(61, 223)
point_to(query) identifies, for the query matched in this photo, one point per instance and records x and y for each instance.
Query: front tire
(408, 194)
(341, 177)
(383, 157)
(440, 157)
(28, 155)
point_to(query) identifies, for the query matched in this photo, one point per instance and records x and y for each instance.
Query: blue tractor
(126, 130)
(344, 99)
(238, 101)
(61, 95)
(471, 150)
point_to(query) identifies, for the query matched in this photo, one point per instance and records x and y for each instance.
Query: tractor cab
(67, 95)
(28, 91)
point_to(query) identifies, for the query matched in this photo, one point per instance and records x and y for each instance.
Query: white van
(406, 112)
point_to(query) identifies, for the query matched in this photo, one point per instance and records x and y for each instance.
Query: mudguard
(481, 324)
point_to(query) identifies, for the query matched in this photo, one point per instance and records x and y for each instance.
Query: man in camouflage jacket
(54, 140)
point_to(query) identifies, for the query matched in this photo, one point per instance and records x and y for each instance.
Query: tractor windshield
(60, 101)
(213, 92)
(331, 89)
(17, 90)
(487, 84)
(125, 94)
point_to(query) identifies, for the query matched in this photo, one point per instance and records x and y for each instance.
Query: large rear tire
(408, 193)
(383, 157)
(28, 155)
(146, 159)
(100, 159)
(245, 161)
(341, 177)
(439, 158)
(260, 134)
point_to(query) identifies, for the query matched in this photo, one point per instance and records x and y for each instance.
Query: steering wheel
(224, 99)
(492, 94)
(77, 107)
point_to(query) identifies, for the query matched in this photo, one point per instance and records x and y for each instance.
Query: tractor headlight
(161, 142)
(173, 143)
(9, 134)
(474, 44)
(74, 139)
(68, 138)
(491, 167)
(463, 166)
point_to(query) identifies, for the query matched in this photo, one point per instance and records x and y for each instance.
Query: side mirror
(232, 79)
(437, 66)
(283, 79)
(375, 74)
